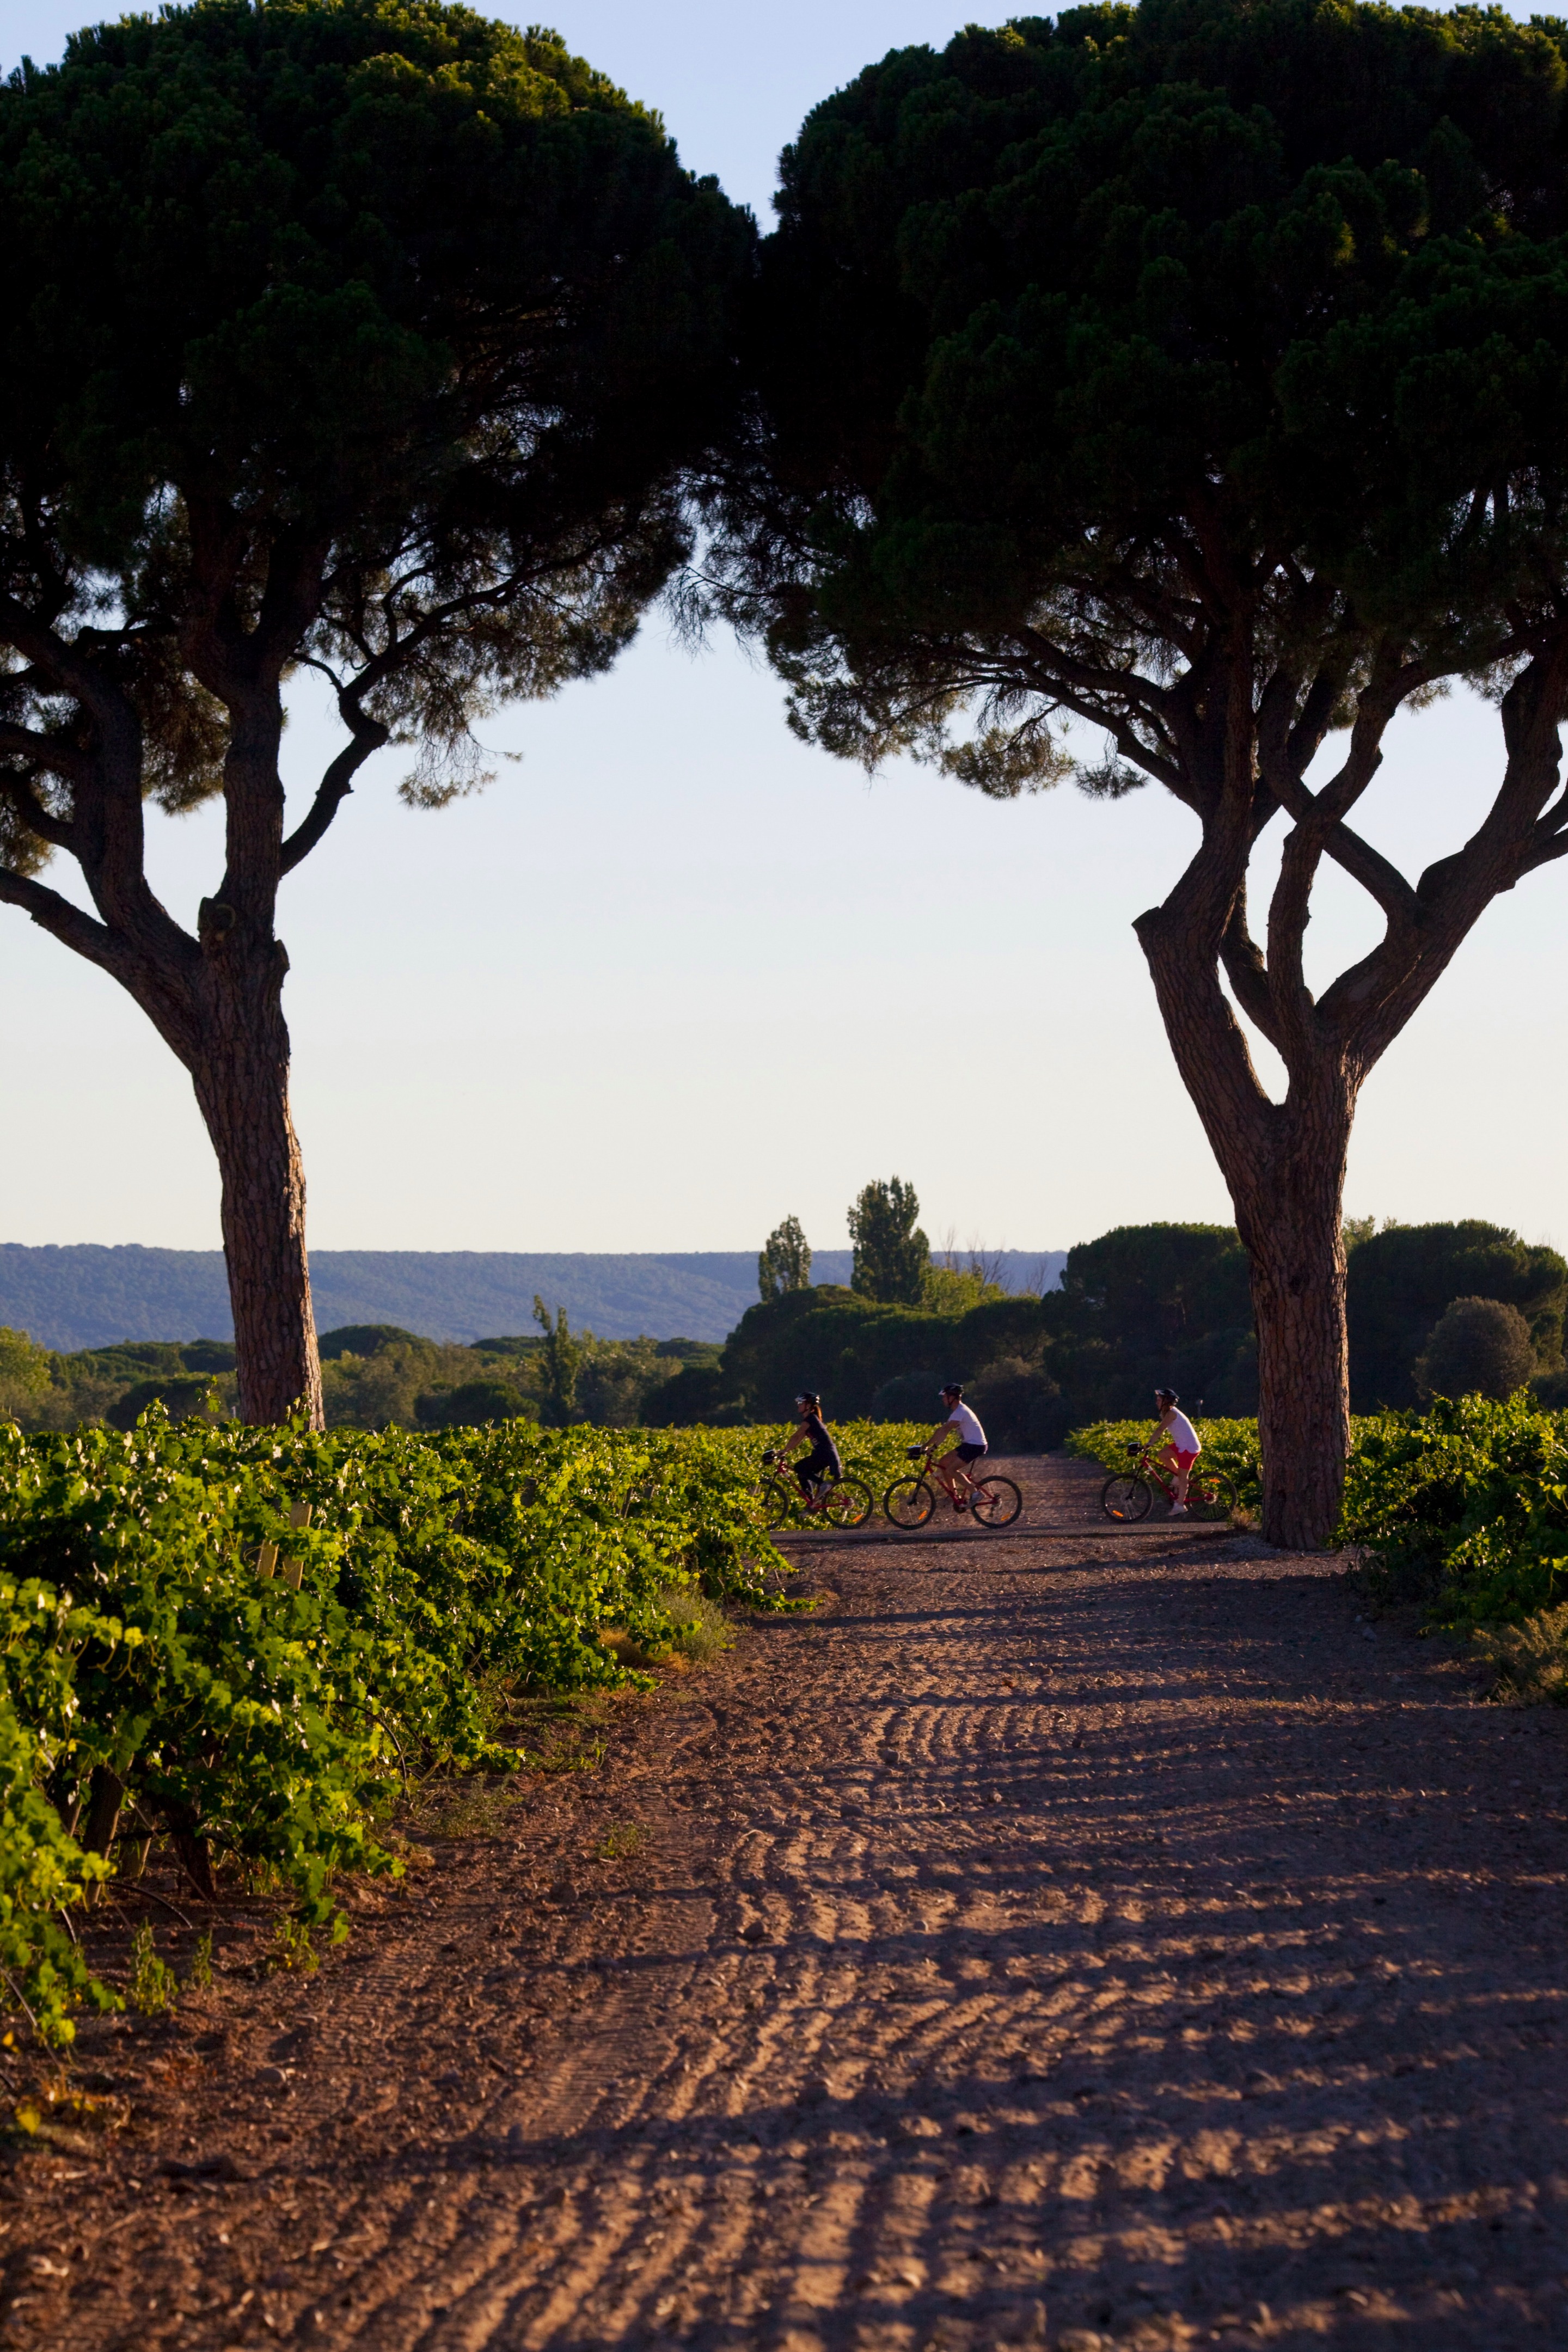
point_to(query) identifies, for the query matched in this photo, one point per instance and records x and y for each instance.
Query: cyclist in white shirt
(1182, 1446)
(952, 1467)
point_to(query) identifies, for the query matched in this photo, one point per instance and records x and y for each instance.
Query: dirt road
(1075, 1942)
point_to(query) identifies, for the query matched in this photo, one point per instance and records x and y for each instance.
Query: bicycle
(994, 1501)
(1130, 1494)
(842, 1502)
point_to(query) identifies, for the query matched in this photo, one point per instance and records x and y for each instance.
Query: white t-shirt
(969, 1429)
(1181, 1434)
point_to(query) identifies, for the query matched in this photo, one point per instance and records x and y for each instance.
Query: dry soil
(1083, 1941)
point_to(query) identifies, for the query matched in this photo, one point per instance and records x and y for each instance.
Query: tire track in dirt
(1078, 1944)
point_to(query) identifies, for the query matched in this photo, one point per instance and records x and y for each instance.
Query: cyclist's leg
(972, 1470)
(811, 1474)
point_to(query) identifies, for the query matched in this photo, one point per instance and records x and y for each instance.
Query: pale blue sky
(675, 974)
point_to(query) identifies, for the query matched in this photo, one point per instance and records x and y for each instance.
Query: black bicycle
(992, 1500)
(842, 1502)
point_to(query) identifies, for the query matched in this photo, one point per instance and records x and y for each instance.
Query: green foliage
(1230, 1445)
(24, 1372)
(1529, 1660)
(954, 1289)
(153, 1986)
(422, 295)
(1030, 292)
(785, 1261)
(1154, 1306)
(848, 1348)
(561, 1359)
(1465, 1505)
(365, 1339)
(254, 1689)
(893, 1257)
(373, 1376)
(43, 1871)
(1400, 1282)
(1480, 1346)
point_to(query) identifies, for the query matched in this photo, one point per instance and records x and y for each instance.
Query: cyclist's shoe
(1178, 1510)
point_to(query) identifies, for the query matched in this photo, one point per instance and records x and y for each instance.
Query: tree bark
(1284, 1165)
(1290, 1214)
(241, 1071)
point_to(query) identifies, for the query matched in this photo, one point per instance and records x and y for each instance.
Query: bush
(1480, 1346)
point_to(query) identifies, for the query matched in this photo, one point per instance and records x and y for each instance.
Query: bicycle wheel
(1125, 1497)
(1210, 1495)
(779, 1503)
(848, 1503)
(997, 1502)
(909, 1502)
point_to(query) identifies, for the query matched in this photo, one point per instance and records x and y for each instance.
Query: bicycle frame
(1148, 1465)
(961, 1469)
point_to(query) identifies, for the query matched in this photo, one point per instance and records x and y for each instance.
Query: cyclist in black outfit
(822, 1462)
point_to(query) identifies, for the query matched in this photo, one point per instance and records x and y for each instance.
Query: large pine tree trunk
(241, 1078)
(1284, 1164)
(1290, 1215)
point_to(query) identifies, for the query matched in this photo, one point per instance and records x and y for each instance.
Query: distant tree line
(373, 1376)
(1434, 1309)
(1439, 1309)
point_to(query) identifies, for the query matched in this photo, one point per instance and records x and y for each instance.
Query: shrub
(1530, 1660)
(1479, 1347)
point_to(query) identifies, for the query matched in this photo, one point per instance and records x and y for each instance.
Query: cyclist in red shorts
(1182, 1446)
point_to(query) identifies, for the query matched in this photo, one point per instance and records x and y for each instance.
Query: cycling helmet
(808, 1402)
(1167, 1396)
(952, 1389)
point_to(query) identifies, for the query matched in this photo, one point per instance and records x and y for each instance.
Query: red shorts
(1183, 1461)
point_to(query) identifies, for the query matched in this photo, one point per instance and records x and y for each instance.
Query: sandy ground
(1077, 1942)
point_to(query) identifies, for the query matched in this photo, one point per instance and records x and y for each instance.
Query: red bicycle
(910, 1502)
(1129, 1493)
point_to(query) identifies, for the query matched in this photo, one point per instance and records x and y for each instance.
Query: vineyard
(249, 1642)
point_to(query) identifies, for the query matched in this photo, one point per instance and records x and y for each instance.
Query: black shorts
(967, 1454)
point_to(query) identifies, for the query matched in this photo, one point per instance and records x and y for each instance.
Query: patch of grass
(476, 1806)
(701, 1629)
(621, 1839)
(292, 1949)
(1530, 1660)
(698, 1631)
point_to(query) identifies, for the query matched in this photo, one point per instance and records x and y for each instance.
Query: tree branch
(57, 915)
(334, 789)
(33, 815)
(1248, 973)
(46, 751)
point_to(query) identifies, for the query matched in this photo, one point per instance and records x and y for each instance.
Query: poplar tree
(361, 340)
(1174, 395)
(892, 1255)
(784, 1262)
